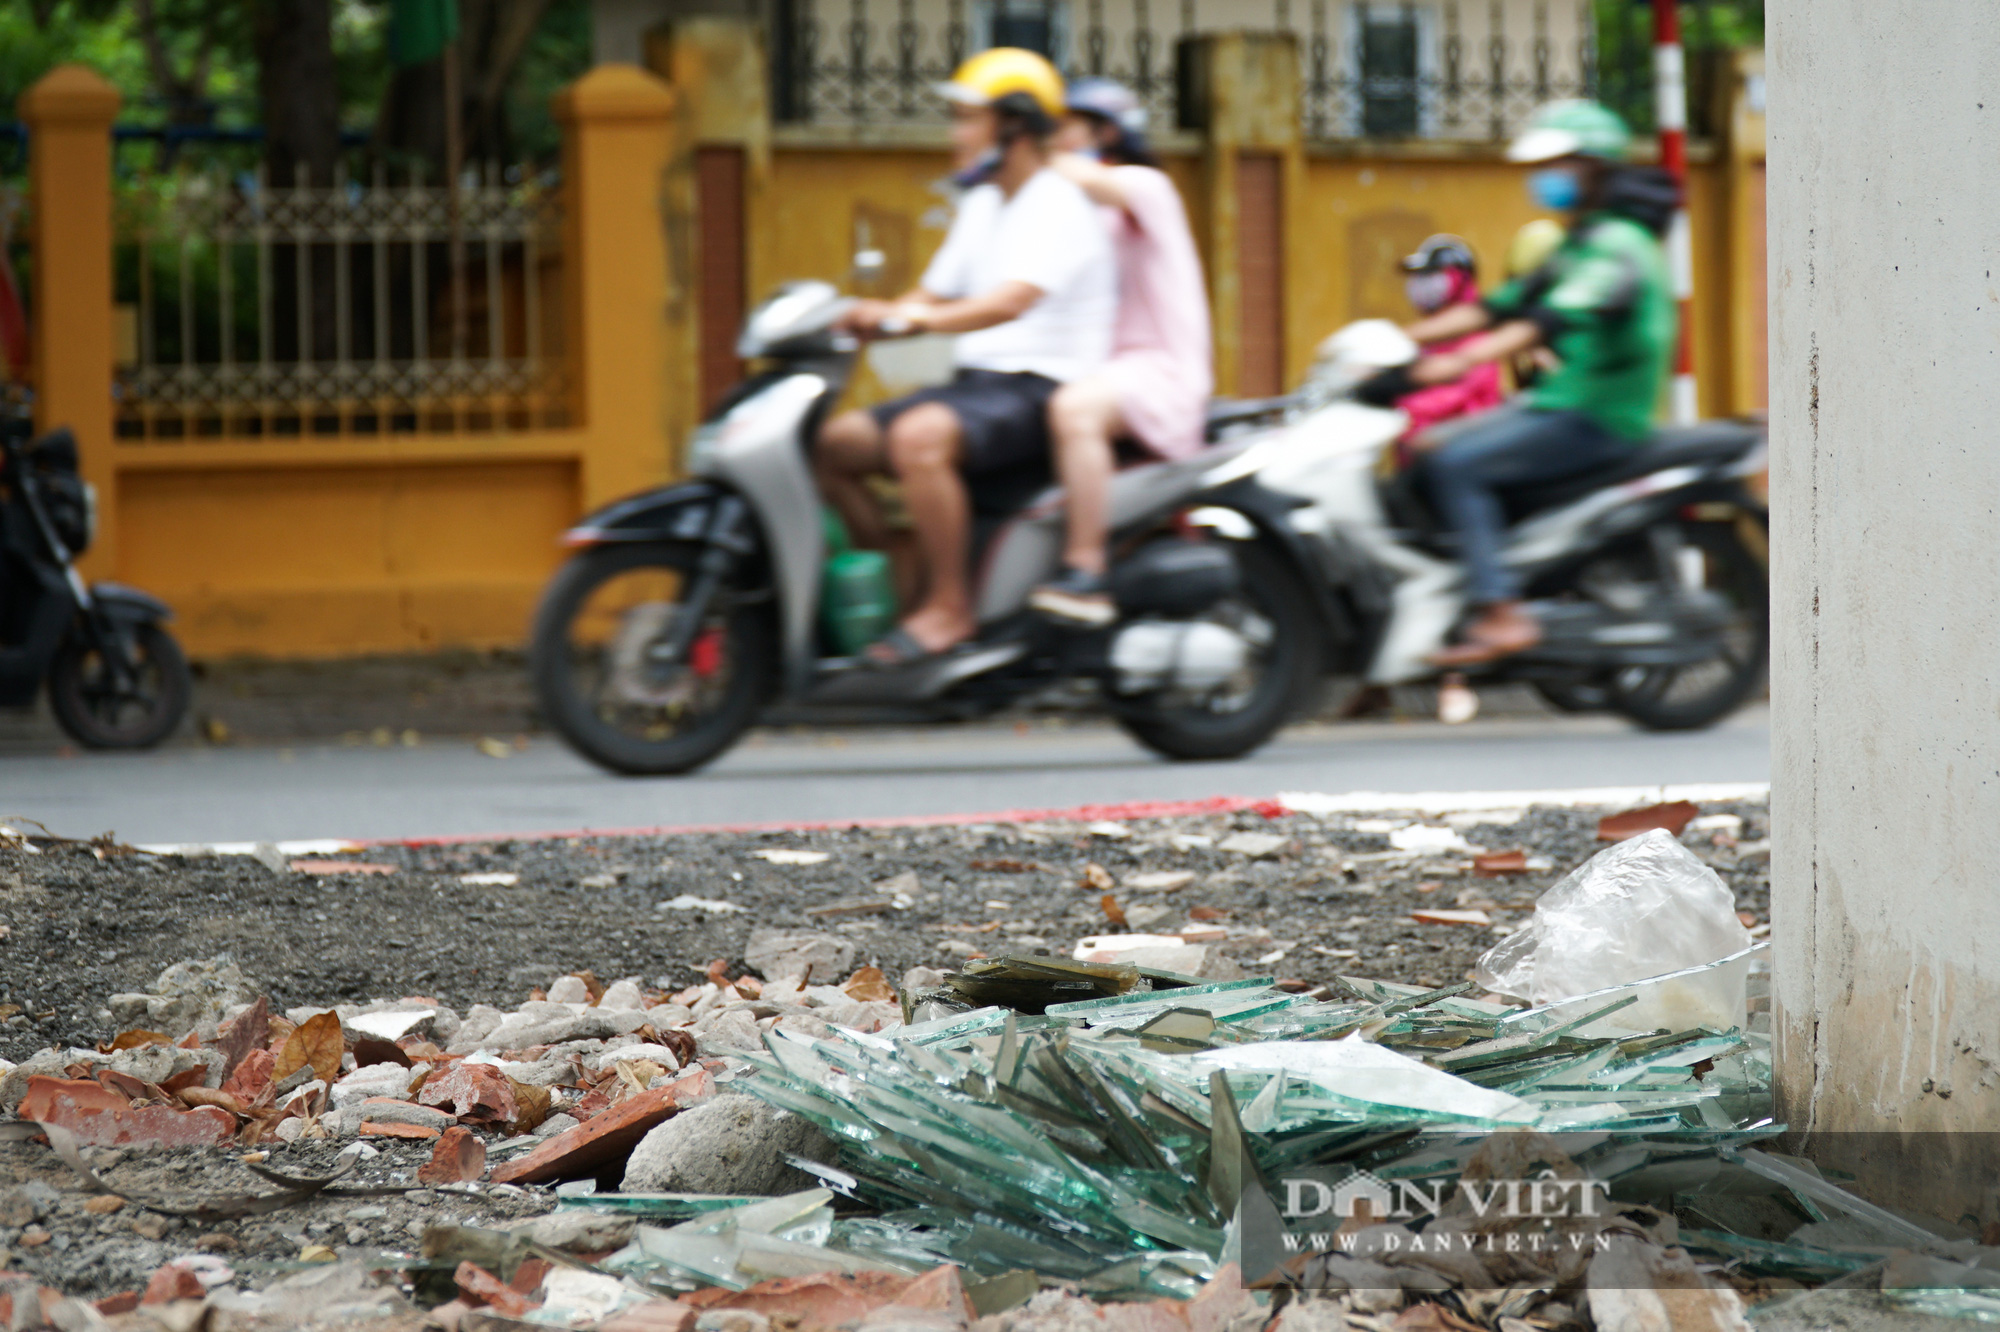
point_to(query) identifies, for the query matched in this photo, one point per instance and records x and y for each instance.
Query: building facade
(1466, 70)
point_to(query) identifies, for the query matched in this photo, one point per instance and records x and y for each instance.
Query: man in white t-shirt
(1027, 280)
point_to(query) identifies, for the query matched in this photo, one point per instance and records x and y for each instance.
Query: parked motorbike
(1648, 577)
(686, 610)
(116, 677)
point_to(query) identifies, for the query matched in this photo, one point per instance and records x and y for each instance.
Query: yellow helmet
(1532, 245)
(991, 75)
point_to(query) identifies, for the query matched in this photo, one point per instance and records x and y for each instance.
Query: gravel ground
(80, 928)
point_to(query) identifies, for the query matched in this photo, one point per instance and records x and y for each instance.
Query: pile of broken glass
(1115, 1127)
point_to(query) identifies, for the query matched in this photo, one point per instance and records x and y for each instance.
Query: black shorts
(1002, 416)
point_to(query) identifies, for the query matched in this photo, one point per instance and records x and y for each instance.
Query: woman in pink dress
(1155, 388)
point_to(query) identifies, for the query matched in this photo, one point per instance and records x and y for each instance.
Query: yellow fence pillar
(623, 306)
(1246, 90)
(69, 113)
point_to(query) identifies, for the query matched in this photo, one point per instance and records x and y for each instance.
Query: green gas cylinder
(857, 596)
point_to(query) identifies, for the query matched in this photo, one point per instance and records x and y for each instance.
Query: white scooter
(1648, 577)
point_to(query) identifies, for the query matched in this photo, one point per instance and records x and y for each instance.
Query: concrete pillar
(69, 112)
(1885, 391)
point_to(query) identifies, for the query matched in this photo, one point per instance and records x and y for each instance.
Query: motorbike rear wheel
(601, 685)
(1228, 724)
(1689, 698)
(99, 711)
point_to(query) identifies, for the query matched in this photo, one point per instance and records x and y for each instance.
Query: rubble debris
(458, 1159)
(604, 1141)
(797, 955)
(1026, 1122)
(727, 1145)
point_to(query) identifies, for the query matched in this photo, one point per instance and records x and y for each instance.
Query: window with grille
(1389, 47)
(1037, 25)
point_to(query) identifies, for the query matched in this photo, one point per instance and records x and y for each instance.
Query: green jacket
(1605, 303)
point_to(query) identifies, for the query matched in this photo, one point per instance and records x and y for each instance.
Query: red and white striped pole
(1670, 114)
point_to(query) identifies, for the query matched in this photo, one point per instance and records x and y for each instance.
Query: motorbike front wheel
(607, 688)
(1274, 612)
(103, 707)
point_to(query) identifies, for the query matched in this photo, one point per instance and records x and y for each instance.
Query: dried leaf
(591, 984)
(316, 1042)
(1097, 878)
(187, 1077)
(373, 1050)
(1113, 912)
(1008, 866)
(748, 986)
(870, 985)
(531, 1106)
(1207, 913)
(131, 1088)
(681, 1043)
(247, 1031)
(132, 1040)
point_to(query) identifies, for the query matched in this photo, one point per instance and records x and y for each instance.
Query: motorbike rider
(1154, 390)
(1025, 276)
(1604, 303)
(1442, 273)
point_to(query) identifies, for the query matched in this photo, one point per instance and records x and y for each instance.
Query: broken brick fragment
(125, 1301)
(480, 1287)
(476, 1092)
(1673, 816)
(1494, 864)
(458, 1158)
(101, 1117)
(173, 1282)
(527, 1278)
(597, 1143)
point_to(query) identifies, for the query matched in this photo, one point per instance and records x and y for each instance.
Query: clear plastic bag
(1642, 908)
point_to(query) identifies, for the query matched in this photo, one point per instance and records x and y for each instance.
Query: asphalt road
(450, 787)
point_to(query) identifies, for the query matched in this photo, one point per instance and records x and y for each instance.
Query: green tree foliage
(194, 62)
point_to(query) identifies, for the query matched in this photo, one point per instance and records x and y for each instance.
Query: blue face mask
(1555, 189)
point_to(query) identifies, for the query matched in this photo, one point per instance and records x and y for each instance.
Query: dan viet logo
(1362, 1194)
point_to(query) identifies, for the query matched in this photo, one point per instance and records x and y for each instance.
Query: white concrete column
(1884, 116)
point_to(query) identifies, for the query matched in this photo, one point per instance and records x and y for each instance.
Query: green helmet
(1573, 128)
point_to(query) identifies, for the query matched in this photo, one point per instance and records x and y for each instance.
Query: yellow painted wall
(332, 560)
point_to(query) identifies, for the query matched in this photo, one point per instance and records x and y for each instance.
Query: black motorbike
(116, 677)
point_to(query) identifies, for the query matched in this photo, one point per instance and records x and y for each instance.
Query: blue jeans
(1497, 451)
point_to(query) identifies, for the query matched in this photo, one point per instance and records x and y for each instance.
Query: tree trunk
(295, 79)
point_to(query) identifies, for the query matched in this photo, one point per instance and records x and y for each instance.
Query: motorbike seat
(1705, 444)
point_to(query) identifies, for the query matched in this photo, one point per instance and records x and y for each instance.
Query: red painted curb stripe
(1132, 809)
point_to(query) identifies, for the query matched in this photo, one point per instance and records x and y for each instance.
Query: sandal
(897, 649)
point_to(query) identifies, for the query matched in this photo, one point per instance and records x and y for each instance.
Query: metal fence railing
(350, 307)
(1381, 69)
